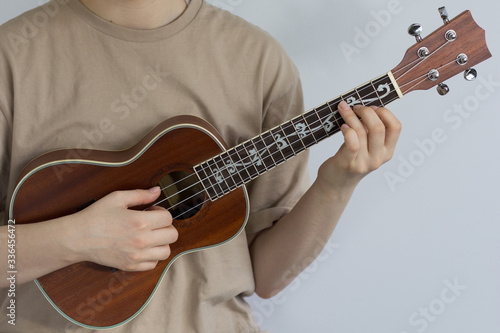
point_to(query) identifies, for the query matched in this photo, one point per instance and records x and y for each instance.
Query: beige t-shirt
(69, 79)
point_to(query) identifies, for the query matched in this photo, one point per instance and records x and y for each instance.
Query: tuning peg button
(415, 30)
(423, 52)
(444, 15)
(470, 74)
(443, 89)
(450, 35)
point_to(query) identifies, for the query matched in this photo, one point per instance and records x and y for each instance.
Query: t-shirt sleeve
(274, 194)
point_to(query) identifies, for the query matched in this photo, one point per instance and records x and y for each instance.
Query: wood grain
(91, 294)
(412, 72)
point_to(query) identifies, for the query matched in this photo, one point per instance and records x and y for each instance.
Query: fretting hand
(370, 135)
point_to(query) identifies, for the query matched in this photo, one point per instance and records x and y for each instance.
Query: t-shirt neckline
(136, 35)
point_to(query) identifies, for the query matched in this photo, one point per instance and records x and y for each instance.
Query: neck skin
(137, 14)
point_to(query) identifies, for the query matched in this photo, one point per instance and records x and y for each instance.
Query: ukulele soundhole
(182, 194)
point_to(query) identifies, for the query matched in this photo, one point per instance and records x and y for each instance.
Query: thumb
(350, 148)
(134, 198)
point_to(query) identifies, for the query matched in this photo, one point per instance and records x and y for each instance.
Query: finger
(156, 207)
(393, 127)
(352, 120)
(144, 266)
(163, 236)
(351, 145)
(158, 218)
(134, 198)
(375, 128)
(159, 253)
(153, 254)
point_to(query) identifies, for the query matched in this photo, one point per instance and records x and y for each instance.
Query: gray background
(422, 254)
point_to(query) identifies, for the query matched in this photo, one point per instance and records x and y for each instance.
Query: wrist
(334, 191)
(70, 239)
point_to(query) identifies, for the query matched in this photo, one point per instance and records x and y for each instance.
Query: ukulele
(204, 186)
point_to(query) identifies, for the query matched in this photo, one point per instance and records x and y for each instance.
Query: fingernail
(344, 106)
(154, 189)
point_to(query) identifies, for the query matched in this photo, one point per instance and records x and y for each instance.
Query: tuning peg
(415, 30)
(470, 74)
(443, 89)
(444, 15)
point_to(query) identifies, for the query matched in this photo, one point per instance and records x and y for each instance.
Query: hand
(110, 234)
(369, 142)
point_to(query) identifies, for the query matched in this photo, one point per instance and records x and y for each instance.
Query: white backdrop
(420, 253)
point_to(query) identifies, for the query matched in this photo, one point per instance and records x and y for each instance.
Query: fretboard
(252, 158)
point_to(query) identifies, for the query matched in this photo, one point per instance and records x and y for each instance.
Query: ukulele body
(54, 185)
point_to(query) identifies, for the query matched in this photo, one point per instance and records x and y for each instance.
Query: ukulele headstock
(451, 49)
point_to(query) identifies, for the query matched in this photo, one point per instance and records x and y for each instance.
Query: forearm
(40, 248)
(280, 253)
(107, 233)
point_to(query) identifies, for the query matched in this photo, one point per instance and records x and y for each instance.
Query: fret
(288, 149)
(274, 147)
(311, 132)
(282, 143)
(232, 168)
(224, 171)
(365, 95)
(334, 105)
(242, 155)
(351, 98)
(216, 175)
(211, 187)
(257, 154)
(214, 179)
(272, 151)
(380, 102)
(204, 181)
(329, 119)
(246, 162)
(264, 152)
(360, 99)
(254, 158)
(369, 95)
(385, 90)
(321, 124)
(292, 138)
(303, 132)
(233, 161)
(315, 125)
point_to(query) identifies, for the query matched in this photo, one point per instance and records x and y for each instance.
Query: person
(101, 74)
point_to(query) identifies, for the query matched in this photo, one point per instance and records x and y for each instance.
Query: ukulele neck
(252, 158)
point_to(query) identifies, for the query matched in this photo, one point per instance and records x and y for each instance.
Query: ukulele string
(201, 203)
(411, 63)
(248, 156)
(424, 77)
(423, 59)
